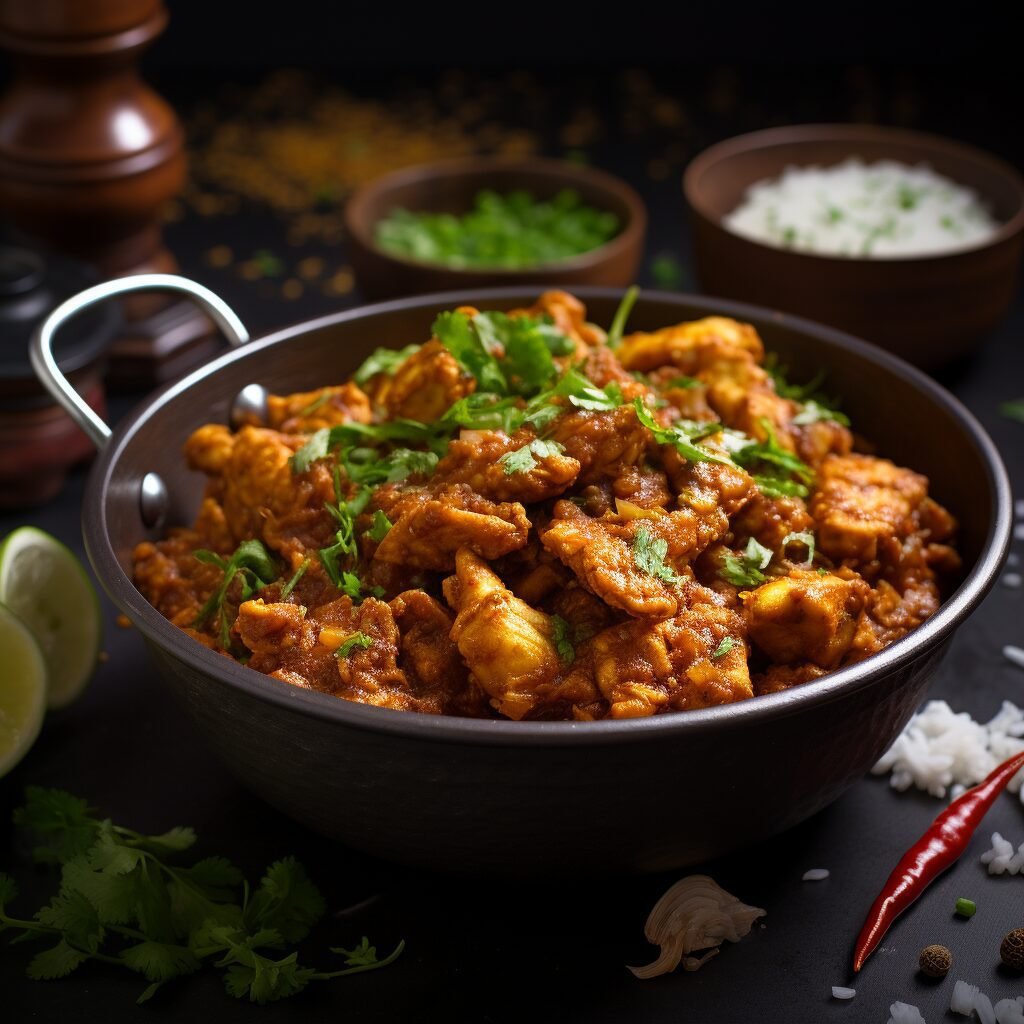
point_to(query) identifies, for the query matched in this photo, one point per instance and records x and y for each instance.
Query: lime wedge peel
(22, 690)
(48, 589)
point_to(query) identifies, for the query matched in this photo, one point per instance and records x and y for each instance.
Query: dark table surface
(495, 950)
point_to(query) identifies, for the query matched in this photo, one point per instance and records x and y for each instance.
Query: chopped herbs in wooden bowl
(513, 230)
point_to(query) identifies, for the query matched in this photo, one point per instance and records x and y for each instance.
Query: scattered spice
(935, 961)
(936, 850)
(965, 907)
(1011, 949)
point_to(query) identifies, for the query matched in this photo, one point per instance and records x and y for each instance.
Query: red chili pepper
(936, 850)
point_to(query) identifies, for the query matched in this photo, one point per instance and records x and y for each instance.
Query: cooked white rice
(905, 1013)
(1002, 859)
(880, 210)
(983, 1008)
(1010, 1011)
(838, 992)
(940, 749)
(1014, 654)
(962, 1000)
(815, 875)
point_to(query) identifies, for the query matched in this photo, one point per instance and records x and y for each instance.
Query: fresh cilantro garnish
(813, 411)
(379, 527)
(252, 563)
(1013, 410)
(527, 344)
(357, 639)
(522, 460)
(290, 585)
(649, 554)
(560, 635)
(457, 332)
(122, 902)
(682, 435)
(726, 645)
(621, 316)
(315, 448)
(682, 382)
(777, 471)
(745, 570)
(806, 538)
(383, 360)
(482, 410)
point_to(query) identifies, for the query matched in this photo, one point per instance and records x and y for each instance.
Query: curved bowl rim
(770, 138)
(431, 728)
(636, 225)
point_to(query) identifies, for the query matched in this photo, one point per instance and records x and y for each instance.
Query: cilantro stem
(359, 968)
(622, 315)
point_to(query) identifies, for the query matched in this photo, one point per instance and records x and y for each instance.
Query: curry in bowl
(528, 517)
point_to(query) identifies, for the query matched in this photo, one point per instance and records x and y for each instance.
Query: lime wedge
(47, 587)
(22, 690)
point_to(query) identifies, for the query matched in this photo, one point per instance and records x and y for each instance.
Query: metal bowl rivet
(153, 500)
(249, 407)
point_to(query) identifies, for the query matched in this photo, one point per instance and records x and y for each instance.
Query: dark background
(554, 950)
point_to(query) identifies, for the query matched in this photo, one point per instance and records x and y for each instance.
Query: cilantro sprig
(726, 644)
(522, 460)
(683, 435)
(252, 563)
(358, 639)
(383, 360)
(560, 635)
(776, 470)
(745, 570)
(649, 554)
(122, 902)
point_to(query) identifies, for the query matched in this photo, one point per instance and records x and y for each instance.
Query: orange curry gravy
(560, 550)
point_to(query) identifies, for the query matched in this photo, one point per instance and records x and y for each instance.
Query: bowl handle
(41, 345)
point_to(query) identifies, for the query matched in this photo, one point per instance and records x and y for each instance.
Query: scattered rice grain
(905, 1013)
(1011, 580)
(962, 1000)
(815, 875)
(838, 992)
(1014, 654)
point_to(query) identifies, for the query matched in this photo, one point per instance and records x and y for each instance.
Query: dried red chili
(936, 850)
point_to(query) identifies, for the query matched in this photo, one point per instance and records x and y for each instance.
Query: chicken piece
(816, 441)
(429, 658)
(208, 449)
(585, 613)
(805, 616)
(864, 507)
(603, 443)
(689, 346)
(307, 411)
(600, 554)
(697, 659)
(600, 366)
(428, 528)
(424, 385)
(687, 395)
(706, 486)
(893, 611)
(172, 579)
(569, 316)
(770, 521)
(507, 645)
(643, 487)
(783, 677)
(475, 461)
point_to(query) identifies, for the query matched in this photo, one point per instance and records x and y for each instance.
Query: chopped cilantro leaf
(806, 538)
(522, 460)
(726, 645)
(649, 554)
(813, 411)
(290, 585)
(251, 562)
(383, 360)
(560, 636)
(483, 410)
(777, 470)
(685, 443)
(315, 448)
(683, 382)
(379, 527)
(457, 333)
(745, 570)
(526, 344)
(357, 639)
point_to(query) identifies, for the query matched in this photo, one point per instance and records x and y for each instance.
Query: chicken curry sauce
(526, 517)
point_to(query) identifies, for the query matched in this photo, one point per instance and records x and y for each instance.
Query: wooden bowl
(928, 309)
(451, 186)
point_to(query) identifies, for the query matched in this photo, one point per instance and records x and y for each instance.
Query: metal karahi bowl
(543, 797)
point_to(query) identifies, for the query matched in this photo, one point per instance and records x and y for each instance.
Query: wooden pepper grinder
(89, 156)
